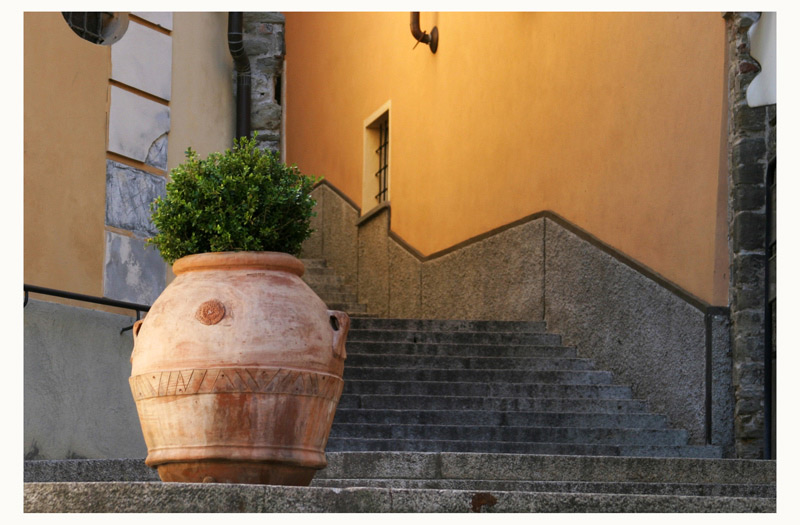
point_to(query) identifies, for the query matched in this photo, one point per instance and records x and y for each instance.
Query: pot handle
(340, 323)
(136, 327)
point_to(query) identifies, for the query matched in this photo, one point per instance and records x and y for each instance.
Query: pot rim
(278, 261)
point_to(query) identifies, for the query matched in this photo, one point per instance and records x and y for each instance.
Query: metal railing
(139, 308)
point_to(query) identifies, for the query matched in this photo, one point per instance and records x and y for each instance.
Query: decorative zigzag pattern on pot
(236, 380)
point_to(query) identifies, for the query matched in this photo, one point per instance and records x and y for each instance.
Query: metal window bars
(383, 161)
(88, 26)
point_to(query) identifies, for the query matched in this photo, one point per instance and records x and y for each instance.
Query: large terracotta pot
(237, 371)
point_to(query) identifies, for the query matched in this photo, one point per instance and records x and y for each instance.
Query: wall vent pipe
(421, 36)
(242, 66)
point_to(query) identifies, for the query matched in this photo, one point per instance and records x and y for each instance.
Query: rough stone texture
(132, 272)
(77, 400)
(751, 146)
(118, 469)
(405, 291)
(313, 246)
(373, 264)
(129, 192)
(497, 278)
(650, 338)
(185, 498)
(264, 43)
(722, 398)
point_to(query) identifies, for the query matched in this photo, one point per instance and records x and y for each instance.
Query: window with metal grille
(383, 160)
(375, 188)
(102, 28)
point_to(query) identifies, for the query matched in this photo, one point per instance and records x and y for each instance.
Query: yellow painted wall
(65, 136)
(614, 121)
(66, 99)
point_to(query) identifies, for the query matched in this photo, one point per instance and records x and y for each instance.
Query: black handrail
(30, 288)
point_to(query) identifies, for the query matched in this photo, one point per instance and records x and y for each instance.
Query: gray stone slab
(650, 338)
(84, 470)
(129, 192)
(77, 402)
(133, 272)
(405, 292)
(373, 264)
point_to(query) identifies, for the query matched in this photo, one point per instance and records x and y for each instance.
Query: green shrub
(241, 200)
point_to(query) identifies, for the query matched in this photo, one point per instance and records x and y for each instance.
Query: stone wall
(751, 147)
(77, 402)
(264, 44)
(671, 347)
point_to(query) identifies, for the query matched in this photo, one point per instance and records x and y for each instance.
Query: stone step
(491, 404)
(574, 487)
(520, 448)
(461, 349)
(356, 359)
(337, 297)
(515, 434)
(314, 263)
(477, 417)
(526, 390)
(572, 377)
(415, 336)
(329, 289)
(138, 497)
(439, 325)
(319, 276)
(349, 308)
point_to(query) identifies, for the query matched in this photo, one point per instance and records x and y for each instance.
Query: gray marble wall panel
(132, 272)
(649, 337)
(497, 278)
(77, 400)
(129, 192)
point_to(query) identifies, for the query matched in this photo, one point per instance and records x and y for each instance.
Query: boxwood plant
(243, 199)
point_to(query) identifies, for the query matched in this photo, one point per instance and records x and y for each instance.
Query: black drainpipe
(242, 65)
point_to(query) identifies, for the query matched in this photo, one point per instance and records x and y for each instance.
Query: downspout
(242, 66)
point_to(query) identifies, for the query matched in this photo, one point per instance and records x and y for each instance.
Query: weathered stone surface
(722, 393)
(77, 402)
(312, 247)
(341, 236)
(132, 271)
(373, 263)
(135, 123)
(129, 192)
(404, 284)
(747, 151)
(157, 155)
(266, 115)
(649, 337)
(749, 230)
(497, 278)
(115, 469)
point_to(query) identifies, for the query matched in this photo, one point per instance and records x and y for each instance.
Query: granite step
(525, 390)
(356, 359)
(442, 325)
(500, 376)
(460, 349)
(416, 336)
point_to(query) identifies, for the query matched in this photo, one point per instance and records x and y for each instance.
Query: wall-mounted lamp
(421, 36)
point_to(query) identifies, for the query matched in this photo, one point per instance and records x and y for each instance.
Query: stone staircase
(489, 387)
(453, 416)
(332, 289)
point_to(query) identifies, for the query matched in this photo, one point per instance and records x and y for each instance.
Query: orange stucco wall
(66, 98)
(612, 120)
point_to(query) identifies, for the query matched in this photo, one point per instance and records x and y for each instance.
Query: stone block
(143, 59)
(496, 278)
(129, 192)
(748, 373)
(722, 393)
(648, 336)
(749, 231)
(266, 115)
(135, 124)
(747, 120)
(157, 155)
(749, 151)
(132, 272)
(748, 197)
(747, 323)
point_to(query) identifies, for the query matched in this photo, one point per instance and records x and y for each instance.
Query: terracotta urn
(237, 371)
